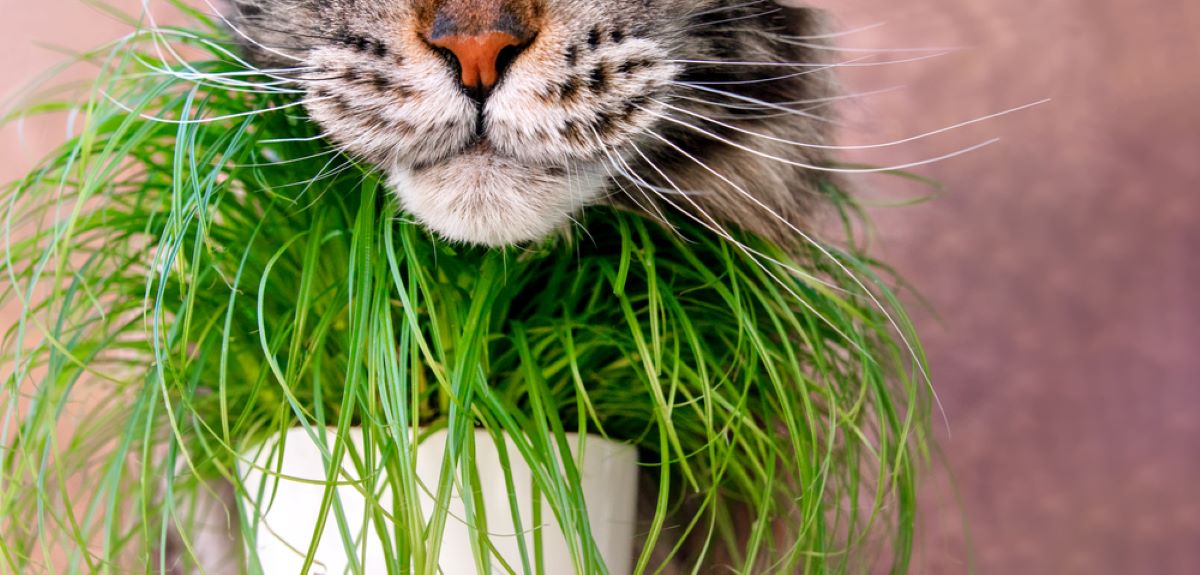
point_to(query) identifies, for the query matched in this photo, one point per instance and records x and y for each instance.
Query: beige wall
(55, 24)
(1062, 263)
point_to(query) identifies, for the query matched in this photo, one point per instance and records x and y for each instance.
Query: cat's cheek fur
(383, 111)
(547, 109)
(482, 198)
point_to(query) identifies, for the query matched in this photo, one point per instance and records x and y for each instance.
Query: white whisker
(221, 118)
(803, 102)
(804, 113)
(771, 78)
(717, 23)
(853, 147)
(825, 252)
(321, 136)
(840, 34)
(753, 255)
(655, 212)
(851, 50)
(245, 36)
(853, 63)
(724, 8)
(815, 167)
(331, 150)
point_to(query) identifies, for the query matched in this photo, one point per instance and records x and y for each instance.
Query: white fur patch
(482, 198)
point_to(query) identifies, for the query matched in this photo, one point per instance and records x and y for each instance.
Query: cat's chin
(483, 198)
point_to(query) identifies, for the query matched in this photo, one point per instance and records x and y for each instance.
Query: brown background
(1061, 263)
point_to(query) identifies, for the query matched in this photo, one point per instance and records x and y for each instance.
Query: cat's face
(497, 120)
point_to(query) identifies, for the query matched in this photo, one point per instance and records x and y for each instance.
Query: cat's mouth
(482, 196)
(484, 146)
(480, 146)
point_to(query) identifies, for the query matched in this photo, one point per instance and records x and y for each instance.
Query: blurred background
(1062, 262)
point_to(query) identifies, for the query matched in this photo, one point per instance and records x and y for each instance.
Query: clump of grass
(197, 270)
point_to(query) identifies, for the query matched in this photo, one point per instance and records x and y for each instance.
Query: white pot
(287, 520)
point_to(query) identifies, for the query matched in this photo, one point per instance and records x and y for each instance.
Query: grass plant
(196, 270)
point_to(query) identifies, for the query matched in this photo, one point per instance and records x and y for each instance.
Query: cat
(497, 121)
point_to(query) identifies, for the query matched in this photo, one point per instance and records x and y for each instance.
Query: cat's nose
(483, 37)
(482, 58)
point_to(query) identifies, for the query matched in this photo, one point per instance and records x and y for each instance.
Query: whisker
(764, 105)
(850, 50)
(743, 111)
(826, 253)
(840, 34)
(859, 62)
(815, 167)
(724, 9)
(656, 212)
(231, 78)
(659, 191)
(241, 33)
(221, 118)
(159, 34)
(773, 78)
(220, 81)
(714, 24)
(322, 135)
(573, 185)
(323, 174)
(331, 150)
(255, 23)
(716, 228)
(854, 62)
(853, 147)
(801, 102)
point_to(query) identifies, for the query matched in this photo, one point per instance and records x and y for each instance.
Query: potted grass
(204, 286)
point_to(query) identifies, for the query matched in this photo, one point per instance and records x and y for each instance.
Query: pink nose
(478, 56)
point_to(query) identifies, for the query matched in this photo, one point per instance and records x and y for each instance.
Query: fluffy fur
(715, 108)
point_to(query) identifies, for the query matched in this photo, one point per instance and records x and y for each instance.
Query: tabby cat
(496, 121)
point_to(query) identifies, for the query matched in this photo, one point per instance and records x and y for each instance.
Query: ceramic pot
(282, 521)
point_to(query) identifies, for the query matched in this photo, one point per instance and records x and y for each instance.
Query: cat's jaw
(482, 197)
